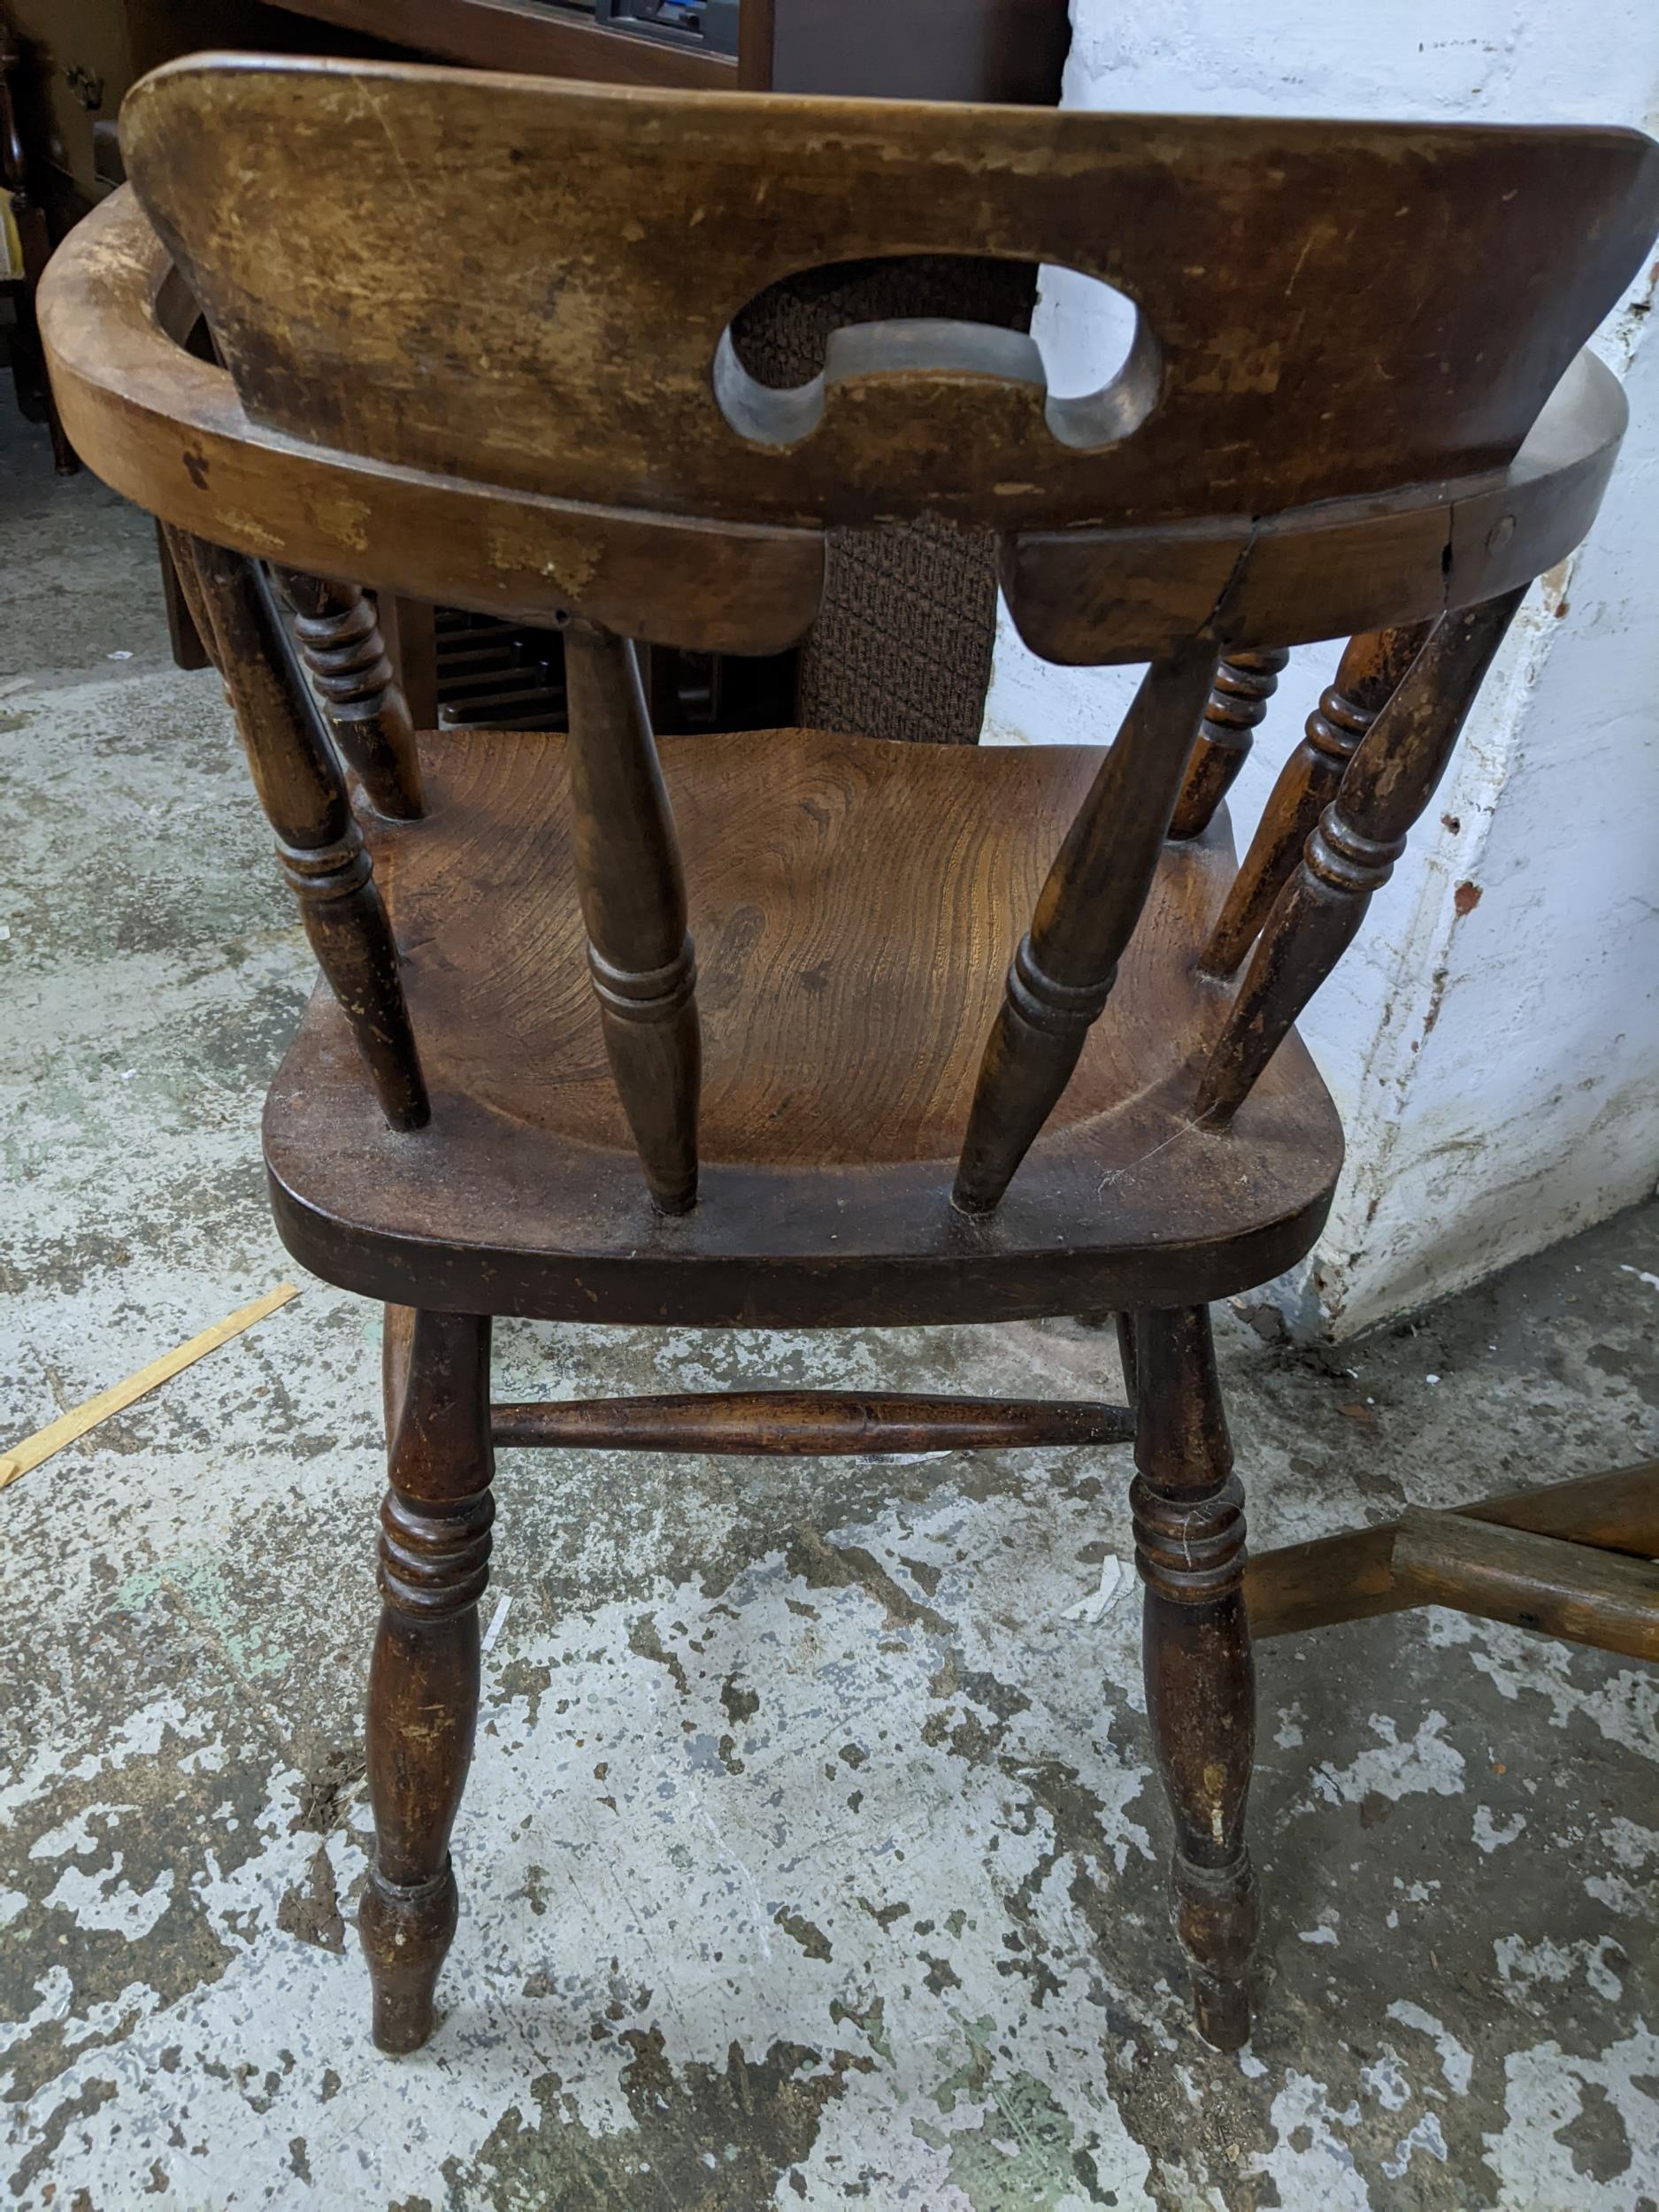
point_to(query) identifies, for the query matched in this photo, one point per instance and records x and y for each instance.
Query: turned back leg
(423, 1684)
(1201, 1689)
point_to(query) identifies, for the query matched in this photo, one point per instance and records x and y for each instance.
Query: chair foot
(405, 1933)
(1221, 2011)
(1215, 1919)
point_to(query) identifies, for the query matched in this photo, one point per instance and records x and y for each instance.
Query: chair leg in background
(1126, 1353)
(1200, 1690)
(424, 1680)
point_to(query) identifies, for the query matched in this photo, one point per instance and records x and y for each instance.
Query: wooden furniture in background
(29, 370)
(927, 50)
(1570, 1559)
(903, 645)
(514, 1094)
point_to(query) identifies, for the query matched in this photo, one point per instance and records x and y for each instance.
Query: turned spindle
(338, 630)
(1064, 968)
(1371, 668)
(319, 847)
(1233, 712)
(1352, 849)
(633, 904)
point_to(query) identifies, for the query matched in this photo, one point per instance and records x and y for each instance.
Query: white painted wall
(1498, 1071)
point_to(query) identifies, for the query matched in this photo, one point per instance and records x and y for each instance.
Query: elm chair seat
(855, 903)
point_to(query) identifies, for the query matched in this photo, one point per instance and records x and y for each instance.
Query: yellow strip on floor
(69, 1425)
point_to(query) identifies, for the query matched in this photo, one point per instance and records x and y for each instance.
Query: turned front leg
(423, 1684)
(1189, 1512)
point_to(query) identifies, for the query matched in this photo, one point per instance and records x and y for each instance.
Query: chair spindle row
(1351, 851)
(1366, 678)
(1373, 752)
(320, 847)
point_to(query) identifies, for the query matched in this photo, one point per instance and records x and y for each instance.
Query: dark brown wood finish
(1440, 379)
(338, 635)
(854, 903)
(170, 431)
(1351, 852)
(423, 1684)
(633, 894)
(410, 631)
(1195, 1643)
(810, 1424)
(1369, 669)
(1339, 567)
(1234, 710)
(1538, 1582)
(189, 651)
(965, 50)
(1066, 964)
(1126, 1322)
(1141, 1136)
(319, 846)
(1353, 1576)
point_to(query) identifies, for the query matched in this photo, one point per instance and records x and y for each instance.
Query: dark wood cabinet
(81, 56)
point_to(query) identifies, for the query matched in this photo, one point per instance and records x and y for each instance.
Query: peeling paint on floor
(812, 1856)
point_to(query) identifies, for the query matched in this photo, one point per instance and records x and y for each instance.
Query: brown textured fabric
(902, 647)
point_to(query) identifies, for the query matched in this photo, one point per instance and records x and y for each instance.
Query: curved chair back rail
(173, 434)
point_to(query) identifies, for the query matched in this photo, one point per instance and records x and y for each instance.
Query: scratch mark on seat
(1116, 1174)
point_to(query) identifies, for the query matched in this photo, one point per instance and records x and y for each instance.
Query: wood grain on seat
(855, 906)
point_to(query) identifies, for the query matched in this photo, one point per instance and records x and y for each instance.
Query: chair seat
(855, 906)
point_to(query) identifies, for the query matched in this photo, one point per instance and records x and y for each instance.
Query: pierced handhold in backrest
(339, 633)
(920, 384)
(881, 364)
(1237, 704)
(1064, 971)
(1371, 668)
(633, 904)
(1353, 848)
(320, 847)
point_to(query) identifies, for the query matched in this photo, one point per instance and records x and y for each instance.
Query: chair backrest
(481, 337)
(531, 285)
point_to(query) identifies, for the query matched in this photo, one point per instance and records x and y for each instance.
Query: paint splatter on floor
(812, 1856)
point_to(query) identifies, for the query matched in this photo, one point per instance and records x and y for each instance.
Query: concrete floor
(811, 1856)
